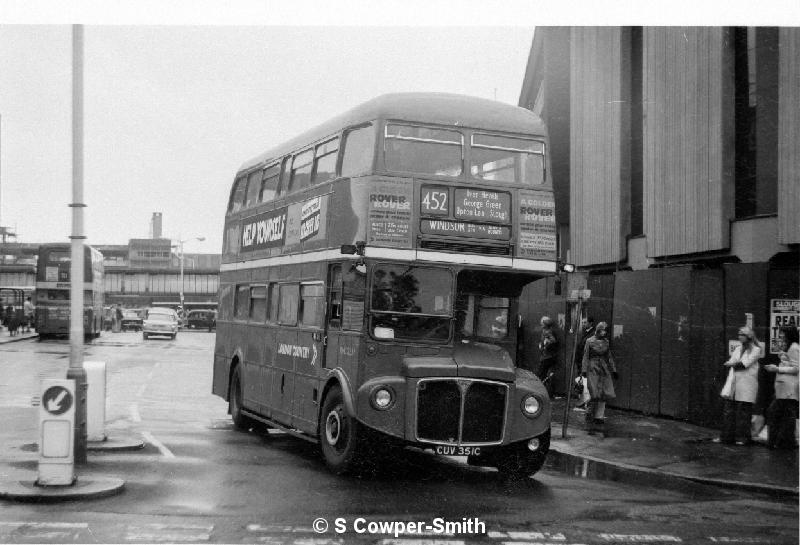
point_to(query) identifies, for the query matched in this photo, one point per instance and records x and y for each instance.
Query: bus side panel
(266, 366)
(307, 358)
(254, 357)
(283, 379)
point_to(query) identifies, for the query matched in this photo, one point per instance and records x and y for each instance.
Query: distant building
(141, 273)
(675, 159)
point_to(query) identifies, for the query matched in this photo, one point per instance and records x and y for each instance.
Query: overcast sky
(172, 111)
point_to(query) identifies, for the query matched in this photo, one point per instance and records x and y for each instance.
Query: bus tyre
(338, 433)
(516, 462)
(240, 421)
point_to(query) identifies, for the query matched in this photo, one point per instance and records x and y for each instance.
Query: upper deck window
(269, 182)
(253, 188)
(359, 149)
(301, 170)
(423, 150)
(325, 161)
(507, 159)
(237, 195)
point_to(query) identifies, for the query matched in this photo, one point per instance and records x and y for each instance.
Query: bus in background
(53, 291)
(370, 279)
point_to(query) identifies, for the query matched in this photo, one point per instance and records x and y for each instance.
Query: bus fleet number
(435, 201)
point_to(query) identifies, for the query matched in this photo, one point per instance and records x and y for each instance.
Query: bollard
(95, 400)
(56, 429)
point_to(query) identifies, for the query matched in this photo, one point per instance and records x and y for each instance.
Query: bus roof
(435, 108)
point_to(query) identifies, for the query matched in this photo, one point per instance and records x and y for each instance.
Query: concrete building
(141, 273)
(675, 159)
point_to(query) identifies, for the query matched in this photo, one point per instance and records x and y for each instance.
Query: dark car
(132, 319)
(201, 319)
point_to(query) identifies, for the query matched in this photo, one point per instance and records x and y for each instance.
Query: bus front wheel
(338, 433)
(517, 462)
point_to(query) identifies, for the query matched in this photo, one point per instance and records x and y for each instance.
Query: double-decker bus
(53, 291)
(370, 280)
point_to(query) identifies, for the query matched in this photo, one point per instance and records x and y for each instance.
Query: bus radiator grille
(439, 416)
(484, 413)
(438, 411)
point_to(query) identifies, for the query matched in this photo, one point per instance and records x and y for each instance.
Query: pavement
(641, 449)
(5, 337)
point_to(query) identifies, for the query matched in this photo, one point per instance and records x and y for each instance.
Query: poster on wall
(537, 225)
(782, 313)
(390, 213)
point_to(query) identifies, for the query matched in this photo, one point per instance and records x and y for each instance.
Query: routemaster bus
(53, 291)
(370, 280)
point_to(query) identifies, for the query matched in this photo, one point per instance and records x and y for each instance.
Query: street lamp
(180, 249)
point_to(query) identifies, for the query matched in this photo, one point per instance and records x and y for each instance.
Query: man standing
(28, 309)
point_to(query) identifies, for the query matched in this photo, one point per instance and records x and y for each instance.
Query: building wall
(599, 150)
(688, 139)
(789, 137)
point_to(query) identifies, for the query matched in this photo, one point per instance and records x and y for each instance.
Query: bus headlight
(531, 406)
(382, 398)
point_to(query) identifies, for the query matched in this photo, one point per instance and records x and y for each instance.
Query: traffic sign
(56, 433)
(57, 400)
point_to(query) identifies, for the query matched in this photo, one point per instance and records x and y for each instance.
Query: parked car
(201, 319)
(132, 319)
(160, 321)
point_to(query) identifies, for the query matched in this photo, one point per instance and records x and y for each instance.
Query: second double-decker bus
(53, 291)
(370, 280)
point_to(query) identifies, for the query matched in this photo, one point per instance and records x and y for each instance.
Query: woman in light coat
(782, 412)
(598, 367)
(737, 406)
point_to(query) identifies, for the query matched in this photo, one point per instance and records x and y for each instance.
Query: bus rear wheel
(240, 421)
(338, 433)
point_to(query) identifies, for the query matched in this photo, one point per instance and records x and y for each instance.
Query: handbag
(727, 389)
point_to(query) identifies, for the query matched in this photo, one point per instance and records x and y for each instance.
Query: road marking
(134, 410)
(42, 531)
(158, 444)
(639, 538)
(168, 533)
(531, 536)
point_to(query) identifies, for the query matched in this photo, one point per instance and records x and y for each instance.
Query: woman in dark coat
(599, 369)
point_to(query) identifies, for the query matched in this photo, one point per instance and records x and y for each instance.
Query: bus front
(454, 222)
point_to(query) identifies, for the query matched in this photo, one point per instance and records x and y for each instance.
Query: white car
(160, 321)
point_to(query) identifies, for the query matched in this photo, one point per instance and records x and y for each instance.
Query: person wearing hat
(599, 369)
(738, 399)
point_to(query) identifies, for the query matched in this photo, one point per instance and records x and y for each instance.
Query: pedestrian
(12, 323)
(117, 317)
(599, 369)
(548, 353)
(586, 331)
(782, 412)
(740, 390)
(28, 306)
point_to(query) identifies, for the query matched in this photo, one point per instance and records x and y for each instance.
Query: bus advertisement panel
(370, 283)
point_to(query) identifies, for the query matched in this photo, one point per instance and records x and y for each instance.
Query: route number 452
(435, 201)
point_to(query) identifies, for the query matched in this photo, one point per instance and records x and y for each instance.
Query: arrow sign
(57, 400)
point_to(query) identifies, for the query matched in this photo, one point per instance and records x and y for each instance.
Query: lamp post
(180, 249)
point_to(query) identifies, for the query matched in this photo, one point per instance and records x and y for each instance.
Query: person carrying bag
(740, 390)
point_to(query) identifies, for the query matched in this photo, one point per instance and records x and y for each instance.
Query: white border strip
(397, 254)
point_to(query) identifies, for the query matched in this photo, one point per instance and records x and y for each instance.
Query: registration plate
(456, 450)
